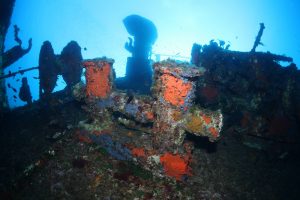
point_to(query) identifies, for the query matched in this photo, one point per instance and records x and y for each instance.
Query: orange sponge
(98, 83)
(176, 90)
(175, 166)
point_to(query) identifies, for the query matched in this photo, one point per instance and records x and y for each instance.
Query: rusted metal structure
(166, 115)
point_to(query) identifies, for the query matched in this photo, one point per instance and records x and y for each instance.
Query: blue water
(97, 26)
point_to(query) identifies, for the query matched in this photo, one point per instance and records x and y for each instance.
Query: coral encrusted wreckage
(223, 88)
(166, 116)
(225, 126)
(203, 126)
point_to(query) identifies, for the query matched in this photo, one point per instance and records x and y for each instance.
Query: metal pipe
(18, 72)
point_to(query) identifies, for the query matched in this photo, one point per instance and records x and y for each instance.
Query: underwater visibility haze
(160, 99)
(98, 28)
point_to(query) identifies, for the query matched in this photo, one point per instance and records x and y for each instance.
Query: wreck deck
(44, 157)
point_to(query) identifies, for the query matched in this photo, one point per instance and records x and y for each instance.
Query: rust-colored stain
(175, 90)
(206, 119)
(214, 132)
(149, 115)
(175, 166)
(84, 138)
(98, 79)
(97, 181)
(138, 152)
